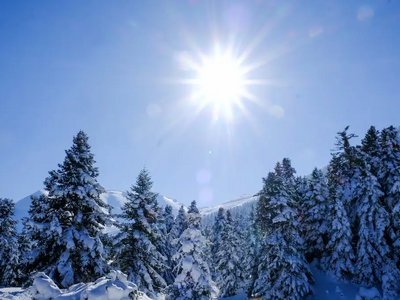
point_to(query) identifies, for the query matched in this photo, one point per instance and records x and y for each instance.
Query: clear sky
(115, 68)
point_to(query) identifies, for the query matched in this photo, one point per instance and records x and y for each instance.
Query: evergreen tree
(136, 248)
(168, 218)
(9, 256)
(390, 280)
(263, 213)
(371, 147)
(229, 271)
(373, 220)
(251, 252)
(314, 207)
(338, 257)
(179, 225)
(193, 278)
(389, 179)
(345, 160)
(25, 247)
(217, 232)
(66, 225)
(283, 271)
(167, 248)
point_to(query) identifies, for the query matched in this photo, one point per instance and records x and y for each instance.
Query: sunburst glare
(220, 80)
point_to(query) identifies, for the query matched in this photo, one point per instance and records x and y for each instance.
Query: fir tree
(314, 207)
(373, 220)
(9, 256)
(168, 218)
(179, 225)
(338, 257)
(229, 272)
(370, 146)
(251, 252)
(66, 225)
(136, 248)
(283, 271)
(167, 248)
(216, 238)
(193, 278)
(390, 280)
(345, 159)
(25, 247)
(389, 179)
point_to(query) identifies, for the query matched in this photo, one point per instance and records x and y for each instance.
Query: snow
(115, 198)
(228, 205)
(114, 286)
(327, 288)
(44, 288)
(368, 294)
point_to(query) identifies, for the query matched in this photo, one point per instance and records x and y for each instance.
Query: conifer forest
(343, 219)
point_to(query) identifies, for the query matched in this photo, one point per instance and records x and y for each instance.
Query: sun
(220, 80)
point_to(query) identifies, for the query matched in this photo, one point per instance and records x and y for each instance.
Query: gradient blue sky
(107, 67)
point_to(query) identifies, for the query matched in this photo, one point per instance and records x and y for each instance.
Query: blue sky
(108, 68)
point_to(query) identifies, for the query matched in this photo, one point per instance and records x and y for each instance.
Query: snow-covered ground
(327, 288)
(116, 287)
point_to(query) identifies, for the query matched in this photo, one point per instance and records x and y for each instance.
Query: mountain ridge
(117, 199)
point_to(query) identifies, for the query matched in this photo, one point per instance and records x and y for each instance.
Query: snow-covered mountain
(244, 199)
(115, 198)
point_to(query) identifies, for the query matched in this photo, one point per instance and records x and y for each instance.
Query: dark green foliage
(9, 256)
(283, 272)
(137, 246)
(65, 224)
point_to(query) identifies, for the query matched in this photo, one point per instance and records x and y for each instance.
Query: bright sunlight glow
(220, 80)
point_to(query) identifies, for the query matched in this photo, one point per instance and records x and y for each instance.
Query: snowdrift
(114, 286)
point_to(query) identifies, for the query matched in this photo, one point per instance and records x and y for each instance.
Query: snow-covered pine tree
(168, 218)
(314, 214)
(193, 279)
(179, 225)
(71, 217)
(25, 247)
(251, 252)
(390, 280)
(337, 260)
(241, 226)
(373, 221)
(9, 256)
(343, 166)
(177, 229)
(229, 277)
(263, 213)
(167, 248)
(262, 284)
(216, 240)
(389, 179)
(136, 249)
(370, 145)
(283, 270)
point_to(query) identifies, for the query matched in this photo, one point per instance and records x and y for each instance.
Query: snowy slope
(114, 198)
(117, 199)
(114, 286)
(244, 199)
(325, 288)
